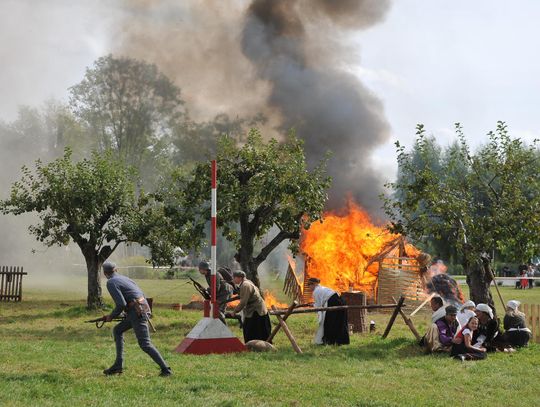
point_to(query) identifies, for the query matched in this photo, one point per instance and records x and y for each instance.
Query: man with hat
(439, 336)
(256, 323)
(128, 297)
(223, 289)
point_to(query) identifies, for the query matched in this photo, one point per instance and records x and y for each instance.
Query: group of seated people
(472, 331)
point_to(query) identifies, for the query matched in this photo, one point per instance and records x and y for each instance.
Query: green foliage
(260, 185)
(478, 202)
(131, 108)
(90, 202)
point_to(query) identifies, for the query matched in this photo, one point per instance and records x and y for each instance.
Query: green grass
(49, 357)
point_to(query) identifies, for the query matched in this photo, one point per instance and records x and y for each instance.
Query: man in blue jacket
(128, 297)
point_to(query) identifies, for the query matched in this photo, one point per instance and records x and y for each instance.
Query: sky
(434, 62)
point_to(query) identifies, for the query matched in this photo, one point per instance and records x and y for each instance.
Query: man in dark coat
(223, 289)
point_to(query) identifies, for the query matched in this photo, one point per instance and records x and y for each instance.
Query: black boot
(166, 372)
(113, 370)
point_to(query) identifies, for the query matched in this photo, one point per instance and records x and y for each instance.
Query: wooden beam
(393, 317)
(287, 332)
(428, 299)
(409, 323)
(285, 316)
(329, 309)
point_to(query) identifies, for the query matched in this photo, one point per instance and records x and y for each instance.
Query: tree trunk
(93, 266)
(479, 280)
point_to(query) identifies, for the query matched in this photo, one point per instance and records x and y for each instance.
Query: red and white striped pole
(213, 258)
(210, 335)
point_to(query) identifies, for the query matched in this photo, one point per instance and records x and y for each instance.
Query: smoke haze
(284, 58)
(288, 60)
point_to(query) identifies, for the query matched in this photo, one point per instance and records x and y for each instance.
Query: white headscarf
(467, 304)
(514, 304)
(485, 308)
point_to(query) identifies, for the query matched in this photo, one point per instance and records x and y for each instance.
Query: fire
(340, 248)
(270, 299)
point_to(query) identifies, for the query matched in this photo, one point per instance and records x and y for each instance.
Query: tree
(481, 202)
(91, 202)
(129, 107)
(260, 185)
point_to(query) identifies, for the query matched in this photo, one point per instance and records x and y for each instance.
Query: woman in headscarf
(517, 334)
(465, 313)
(256, 321)
(333, 325)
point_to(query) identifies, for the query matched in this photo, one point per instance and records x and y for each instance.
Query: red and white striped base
(210, 336)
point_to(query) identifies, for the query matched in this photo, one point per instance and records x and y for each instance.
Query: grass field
(49, 357)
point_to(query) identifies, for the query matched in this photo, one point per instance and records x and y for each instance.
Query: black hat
(313, 280)
(203, 265)
(451, 310)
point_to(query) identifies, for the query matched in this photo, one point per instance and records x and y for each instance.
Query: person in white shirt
(466, 312)
(437, 306)
(333, 325)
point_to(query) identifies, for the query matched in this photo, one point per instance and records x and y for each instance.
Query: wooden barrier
(11, 283)
(532, 312)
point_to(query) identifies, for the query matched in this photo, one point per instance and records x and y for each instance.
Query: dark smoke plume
(447, 288)
(329, 108)
(283, 58)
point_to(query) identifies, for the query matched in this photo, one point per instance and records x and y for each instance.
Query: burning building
(348, 253)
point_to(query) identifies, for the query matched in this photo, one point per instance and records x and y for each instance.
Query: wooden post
(422, 305)
(285, 316)
(409, 323)
(330, 309)
(287, 332)
(497, 287)
(393, 317)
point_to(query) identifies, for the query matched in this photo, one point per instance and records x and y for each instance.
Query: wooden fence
(11, 283)
(532, 312)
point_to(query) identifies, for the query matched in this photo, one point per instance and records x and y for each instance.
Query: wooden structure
(356, 317)
(399, 276)
(11, 283)
(532, 312)
(282, 316)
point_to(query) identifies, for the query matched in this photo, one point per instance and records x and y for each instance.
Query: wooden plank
(285, 316)
(534, 315)
(393, 317)
(287, 332)
(2, 284)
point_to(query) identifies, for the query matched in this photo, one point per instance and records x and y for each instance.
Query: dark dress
(460, 350)
(515, 334)
(492, 334)
(257, 327)
(336, 326)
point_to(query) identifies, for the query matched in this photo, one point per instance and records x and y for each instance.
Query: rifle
(200, 289)
(101, 321)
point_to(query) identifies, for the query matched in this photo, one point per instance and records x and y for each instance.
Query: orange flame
(270, 299)
(340, 248)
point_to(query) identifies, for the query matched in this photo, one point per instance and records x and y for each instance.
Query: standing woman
(333, 325)
(256, 324)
